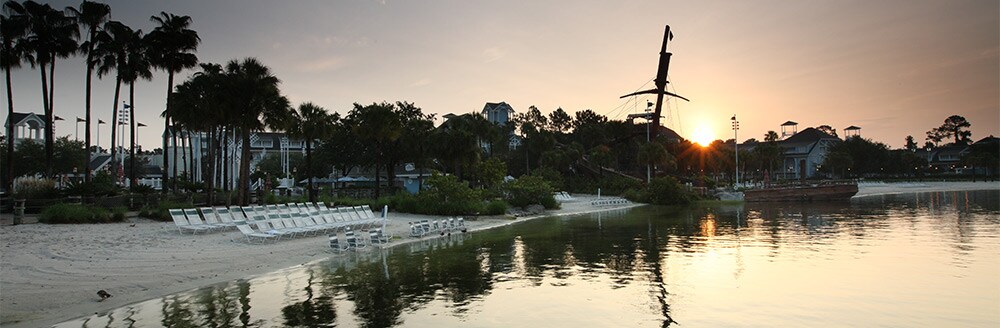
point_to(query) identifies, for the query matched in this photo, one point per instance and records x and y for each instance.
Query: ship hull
(839, 192)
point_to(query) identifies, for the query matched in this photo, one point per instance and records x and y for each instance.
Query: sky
(892, 67)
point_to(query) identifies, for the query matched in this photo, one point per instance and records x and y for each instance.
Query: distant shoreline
(869, 189)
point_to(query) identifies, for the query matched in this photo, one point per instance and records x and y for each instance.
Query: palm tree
(92, 16)
(137, 66)
(311, 122)
(173, 45)
(255, 103)
(11, 54)
(40, 44)
(377, 125)
(111, 52)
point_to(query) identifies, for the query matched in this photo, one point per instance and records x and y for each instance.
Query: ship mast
(660, 82)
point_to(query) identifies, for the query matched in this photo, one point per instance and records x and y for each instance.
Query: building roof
(809, 135)
(987, 140)
(17, 118)
(496, 106)
(852, 127)
(789, 123)
(98, 161)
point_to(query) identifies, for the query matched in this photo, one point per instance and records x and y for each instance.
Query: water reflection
(767, 264)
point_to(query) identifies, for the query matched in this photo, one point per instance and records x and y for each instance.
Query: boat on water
(827, 191)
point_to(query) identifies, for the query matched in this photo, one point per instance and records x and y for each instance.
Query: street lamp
(736, 141)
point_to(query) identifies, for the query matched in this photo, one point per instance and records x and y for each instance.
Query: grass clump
(76, 213)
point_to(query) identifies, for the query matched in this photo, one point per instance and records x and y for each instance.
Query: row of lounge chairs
(424, 227)
(610, 201)
(275, 221)
(562, 196)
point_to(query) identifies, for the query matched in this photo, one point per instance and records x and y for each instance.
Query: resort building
(27, 126)
(804, 153)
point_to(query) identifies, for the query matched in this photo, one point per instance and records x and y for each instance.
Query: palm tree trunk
(191, 162)
(183, 138)
(52, 83)
(10, 134)
(48, 123)
(86, 138)
(166, 132)
(225, 159)
(312, 196)
(114, 122)
(243, 197)
(131, 113)
(173, 156)
(210, 181)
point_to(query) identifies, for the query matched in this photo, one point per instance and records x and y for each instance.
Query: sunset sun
(703, 135)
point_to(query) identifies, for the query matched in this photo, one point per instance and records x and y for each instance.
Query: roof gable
(809, 135)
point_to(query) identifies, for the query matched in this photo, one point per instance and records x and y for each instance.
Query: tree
(12, 28)
(934, 136)
(311, 122)
(911, 145)
(588, 117)
(955, 126)
(172, 45)
(560, 121)
(533, 117)
(376, 125)
(197, 105)
(254, 102)
(455, 145)
(48, 35)
(770, 136)
(838, 161)
(91, 16)
(827, 129)
(137, 66)
(111, 53)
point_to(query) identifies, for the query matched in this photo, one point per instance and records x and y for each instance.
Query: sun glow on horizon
(703, 135)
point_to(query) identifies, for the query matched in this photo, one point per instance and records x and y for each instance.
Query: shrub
(528, 190)
(35, 188)
(496, 207)
(667, 191)
(160, 212)
(118, 214)
(448, 196)
(550, 175)
(101, 185)
(142, 189)
(76, 213)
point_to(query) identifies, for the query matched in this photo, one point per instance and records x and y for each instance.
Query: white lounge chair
(196, 219)
(182, 223)
(377, 237)
(352, 240)
(336, 244)
(251, 235)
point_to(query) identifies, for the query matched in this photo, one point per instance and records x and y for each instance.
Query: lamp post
(76, 134)
(736, 141)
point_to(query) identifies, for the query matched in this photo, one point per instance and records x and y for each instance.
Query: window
(265, 143)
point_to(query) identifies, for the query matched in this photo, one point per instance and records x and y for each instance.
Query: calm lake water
(929, 259)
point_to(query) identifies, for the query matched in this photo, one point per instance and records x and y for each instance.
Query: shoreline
(51, 273)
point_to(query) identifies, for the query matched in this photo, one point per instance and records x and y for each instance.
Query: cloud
(322, 64)
(421, 82)
(493, 54)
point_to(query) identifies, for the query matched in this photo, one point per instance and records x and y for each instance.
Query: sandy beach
(51, 273)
